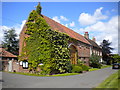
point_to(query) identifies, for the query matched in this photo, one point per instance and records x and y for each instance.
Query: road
(85, 80)
(0, 80)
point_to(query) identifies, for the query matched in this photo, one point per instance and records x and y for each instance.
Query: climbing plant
(45, 46)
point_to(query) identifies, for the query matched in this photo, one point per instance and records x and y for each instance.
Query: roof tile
(61, 28)
(4, 53)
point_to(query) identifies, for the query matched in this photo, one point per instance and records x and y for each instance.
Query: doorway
(73, 54)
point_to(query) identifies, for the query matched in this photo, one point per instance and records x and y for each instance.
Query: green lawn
(32, 74)
(65, 74)
(113, 81)
(104, 66)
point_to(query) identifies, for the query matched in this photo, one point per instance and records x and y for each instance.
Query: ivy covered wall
(45, 46)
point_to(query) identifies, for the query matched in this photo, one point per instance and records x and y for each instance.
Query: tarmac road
(1, 80)
(85, 80)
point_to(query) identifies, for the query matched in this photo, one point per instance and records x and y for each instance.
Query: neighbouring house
(81, 47)
(94, 47)
(9, 62)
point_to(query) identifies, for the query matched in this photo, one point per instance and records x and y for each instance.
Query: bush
(76, 69)
(96, 65)
(94, 61)
(80, 62)
(85, 67)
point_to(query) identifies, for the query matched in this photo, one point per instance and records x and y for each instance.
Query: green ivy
(45, 46)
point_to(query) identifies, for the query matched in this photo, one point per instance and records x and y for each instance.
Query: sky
(99, 19)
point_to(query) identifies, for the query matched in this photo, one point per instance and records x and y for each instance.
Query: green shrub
(80, 62)
(96, 65)
(76, 69)
(85, 67)
(94, 61)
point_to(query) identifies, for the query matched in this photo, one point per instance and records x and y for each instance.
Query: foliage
(116, 58)
(76, 69)
(85, 67)
(106, 50)
(38, 8)
(94, 61)
(80, 62)
(45, 46)
(10, 41)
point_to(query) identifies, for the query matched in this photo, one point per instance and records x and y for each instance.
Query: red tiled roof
(4, 53)
(61, 28)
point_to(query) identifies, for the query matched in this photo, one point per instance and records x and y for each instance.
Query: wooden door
(73, 54)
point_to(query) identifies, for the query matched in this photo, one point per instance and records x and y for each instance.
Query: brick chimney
(86, 35)
(94, 39)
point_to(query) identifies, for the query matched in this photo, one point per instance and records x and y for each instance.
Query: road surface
(85, 80)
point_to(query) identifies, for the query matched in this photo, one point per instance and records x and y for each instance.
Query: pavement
(84, 80)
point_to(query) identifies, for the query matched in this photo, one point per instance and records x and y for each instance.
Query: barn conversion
(80, 47)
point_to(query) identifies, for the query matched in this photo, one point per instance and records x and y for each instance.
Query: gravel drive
(85, 80)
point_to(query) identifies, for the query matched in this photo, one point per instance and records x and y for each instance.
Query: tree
(106, 51)
(10, 41)
(116, 58)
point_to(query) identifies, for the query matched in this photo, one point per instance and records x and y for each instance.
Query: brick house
(94, 48)
(8, 61)
(81, 47)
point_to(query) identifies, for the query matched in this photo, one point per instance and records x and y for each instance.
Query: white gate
(10, 66)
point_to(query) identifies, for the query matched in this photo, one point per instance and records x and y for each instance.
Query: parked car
(116, 66)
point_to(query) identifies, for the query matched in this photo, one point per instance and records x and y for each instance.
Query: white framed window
(25, 64)
(21, 62)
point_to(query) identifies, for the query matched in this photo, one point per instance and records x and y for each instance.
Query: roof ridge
(75, 37)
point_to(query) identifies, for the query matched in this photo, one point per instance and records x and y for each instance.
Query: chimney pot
(86, 35)
(94, 39)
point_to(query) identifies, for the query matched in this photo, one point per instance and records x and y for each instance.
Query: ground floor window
(25, 64)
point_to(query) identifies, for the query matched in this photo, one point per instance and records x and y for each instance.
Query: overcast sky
(99, 19)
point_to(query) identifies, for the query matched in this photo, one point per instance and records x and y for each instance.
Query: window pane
(26, 64)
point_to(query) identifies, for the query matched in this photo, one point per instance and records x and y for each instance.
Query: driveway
(85, 80)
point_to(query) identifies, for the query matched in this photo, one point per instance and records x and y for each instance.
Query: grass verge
(104, 66)
(65, 74)
(32, 74)
(113, 81)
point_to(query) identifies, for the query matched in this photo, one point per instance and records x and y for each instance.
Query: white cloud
(56, 19)
(17, 27)
(66, 25)
(60, 18)
(63, 18)
(105, 30)
(88, 19)
(72, 24)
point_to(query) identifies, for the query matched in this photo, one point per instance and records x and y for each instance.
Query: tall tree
(10, 41)
(106, 50)
(116, 58)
